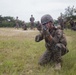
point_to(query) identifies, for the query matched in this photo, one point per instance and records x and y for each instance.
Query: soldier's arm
(30, 19)
(38, 38)
(56, 38)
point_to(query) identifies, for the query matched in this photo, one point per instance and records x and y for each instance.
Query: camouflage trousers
(54, 54)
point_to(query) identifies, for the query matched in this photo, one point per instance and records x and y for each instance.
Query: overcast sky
(24, 8)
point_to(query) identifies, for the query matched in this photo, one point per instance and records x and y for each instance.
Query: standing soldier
(71, 23)
(61, 22)
(32, 21)
(55, 42)
(17, 24)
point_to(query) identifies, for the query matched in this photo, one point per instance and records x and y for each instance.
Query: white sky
(24, 8)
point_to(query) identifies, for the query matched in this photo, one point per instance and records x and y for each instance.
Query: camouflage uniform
(55, 42)
(55, 48)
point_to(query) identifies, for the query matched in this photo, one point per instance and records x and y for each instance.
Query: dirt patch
(16, 32)
(69, 38)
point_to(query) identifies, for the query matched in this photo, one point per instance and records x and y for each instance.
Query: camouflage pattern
(54, 48)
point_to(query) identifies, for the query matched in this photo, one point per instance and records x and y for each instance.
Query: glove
(37, 38)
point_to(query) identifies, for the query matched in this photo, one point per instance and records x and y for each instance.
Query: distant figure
(61, 22)
(24, 27)
(32, 21)
(71, 23)
(17, 24)
(74, 27)
(39, 26)
(65, 24)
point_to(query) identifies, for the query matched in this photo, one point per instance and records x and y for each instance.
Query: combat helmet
(46, 18)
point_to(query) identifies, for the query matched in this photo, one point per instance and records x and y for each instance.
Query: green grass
(19, 54)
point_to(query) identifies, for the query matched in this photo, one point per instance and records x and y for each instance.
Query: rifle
(46, 32)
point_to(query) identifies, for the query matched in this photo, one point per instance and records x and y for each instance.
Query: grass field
(19, 53)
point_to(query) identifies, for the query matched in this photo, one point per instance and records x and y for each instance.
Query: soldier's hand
(46, 32)
(37, 38)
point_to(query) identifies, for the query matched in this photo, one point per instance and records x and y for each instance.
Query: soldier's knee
(43, 61)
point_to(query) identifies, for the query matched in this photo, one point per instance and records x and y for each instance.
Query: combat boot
(57, 66)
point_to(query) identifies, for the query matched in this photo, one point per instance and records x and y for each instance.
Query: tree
(70, 11)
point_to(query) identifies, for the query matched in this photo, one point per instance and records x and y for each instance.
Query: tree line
(8, 21)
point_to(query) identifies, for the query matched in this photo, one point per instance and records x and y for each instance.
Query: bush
(7, 24)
